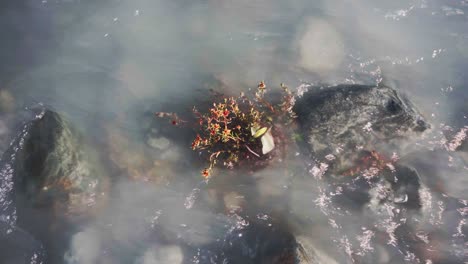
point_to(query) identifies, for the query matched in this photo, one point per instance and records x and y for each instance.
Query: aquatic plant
(238, 130)
(370, 164)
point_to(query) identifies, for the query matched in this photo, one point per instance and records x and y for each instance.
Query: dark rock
(257, 242)
(261, 244)
(350, 122)
(52, 179)
(398, 189)
(345, 118)
(354, 195)
(405, 185)
(54, 168)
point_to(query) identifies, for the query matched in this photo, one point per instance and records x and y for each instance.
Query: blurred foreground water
(88, 175)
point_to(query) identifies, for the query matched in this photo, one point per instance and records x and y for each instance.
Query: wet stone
(257, 243)
(405, 185)
(57, 179)
(347, 119)
(396, 189)
(134, 160)
(55, 168)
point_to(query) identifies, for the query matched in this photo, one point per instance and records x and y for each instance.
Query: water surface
(108, 65)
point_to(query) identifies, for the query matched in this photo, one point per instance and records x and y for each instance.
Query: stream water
(108, 65)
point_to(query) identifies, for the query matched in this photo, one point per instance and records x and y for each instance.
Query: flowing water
(108, 65)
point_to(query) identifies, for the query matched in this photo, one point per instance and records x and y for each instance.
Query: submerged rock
(136, 161)
(355, 133)
(54, 179)
(256, 242)
(55, 169)
(344, 119)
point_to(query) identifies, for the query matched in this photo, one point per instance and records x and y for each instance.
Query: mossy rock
(55, 168)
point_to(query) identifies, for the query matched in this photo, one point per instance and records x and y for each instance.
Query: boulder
(50, 178)
(55, 168)
(346, 119)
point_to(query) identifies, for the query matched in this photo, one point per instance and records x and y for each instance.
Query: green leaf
(260, 132)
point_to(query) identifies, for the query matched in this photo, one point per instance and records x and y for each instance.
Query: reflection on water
(106, 66)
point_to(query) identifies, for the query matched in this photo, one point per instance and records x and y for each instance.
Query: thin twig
(251, 151)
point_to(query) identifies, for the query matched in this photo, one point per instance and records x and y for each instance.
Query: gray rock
(49, 179)
(345, 118)
(54, 168)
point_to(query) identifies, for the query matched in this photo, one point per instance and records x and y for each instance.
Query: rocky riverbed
(372, 170)
(59, 182)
